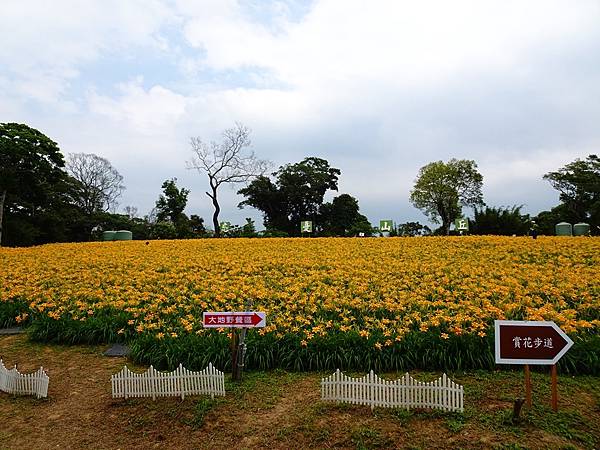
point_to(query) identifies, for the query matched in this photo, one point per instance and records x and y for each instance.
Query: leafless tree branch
(226, 162)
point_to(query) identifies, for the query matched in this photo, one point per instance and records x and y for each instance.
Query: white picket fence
(405, 392)
(180, 382)
(14, 382)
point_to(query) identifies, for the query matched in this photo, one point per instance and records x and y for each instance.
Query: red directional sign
(247, 319)
(528, 342)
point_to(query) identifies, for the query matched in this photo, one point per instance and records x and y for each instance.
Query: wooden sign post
(531, 342)
(235, 320)
(527, 386)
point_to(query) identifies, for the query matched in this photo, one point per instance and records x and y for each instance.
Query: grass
(366, 438)
(281, 409)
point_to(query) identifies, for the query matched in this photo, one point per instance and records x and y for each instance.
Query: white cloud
(149, 112)
(396, 42)
(45, 43)
(378, 88)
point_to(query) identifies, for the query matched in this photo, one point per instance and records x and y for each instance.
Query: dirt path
(80, 413)
(275, 410)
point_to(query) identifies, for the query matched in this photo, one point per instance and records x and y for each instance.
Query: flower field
(388, 304)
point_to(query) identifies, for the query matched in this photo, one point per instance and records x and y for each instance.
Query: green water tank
(581, 229)
(564, 229)
(108, 235)
(123, 235)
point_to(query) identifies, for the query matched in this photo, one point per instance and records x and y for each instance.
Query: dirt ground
(276, 410)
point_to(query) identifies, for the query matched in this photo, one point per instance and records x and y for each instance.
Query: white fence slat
(16, 383)
(405, 392)
(180, 382)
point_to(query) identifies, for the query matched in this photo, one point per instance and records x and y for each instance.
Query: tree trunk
(2, 199)
(213, 197)
(446, 224)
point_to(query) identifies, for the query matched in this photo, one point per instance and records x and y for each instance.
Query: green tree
(170, 206)
(413, 229)
(197, 226)
(267, 197)
(31, 165)
(249, 229)
(341, 217)
(163, 230)
(441, 189)
(579, 186)
(296, 195)
(500, 221)
(547, 220)
(172, 202)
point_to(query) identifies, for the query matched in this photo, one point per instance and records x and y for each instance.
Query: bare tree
(131, 211)
(100, 183)
(226, 162)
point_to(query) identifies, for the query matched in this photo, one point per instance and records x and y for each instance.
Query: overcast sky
(379, 89)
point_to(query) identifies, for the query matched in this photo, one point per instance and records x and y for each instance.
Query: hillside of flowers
(389, 304)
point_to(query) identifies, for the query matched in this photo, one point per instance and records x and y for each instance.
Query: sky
(377, 88)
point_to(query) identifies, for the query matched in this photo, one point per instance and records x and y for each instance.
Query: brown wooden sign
(529, 342)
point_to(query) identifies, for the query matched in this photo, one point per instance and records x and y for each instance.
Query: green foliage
(169, 210)
(31, 167)
(202, 408)
(163, 230)
(172, 202)
(501, 221)
(103, 326)
(197, 227)
(296, 195)
(412, 229)
(10, 309)
(346, 351)
(579, 186)
(547, 220)
(341, 217)
(30, 162)
(455, 422)
(366, 438)
(442, 188)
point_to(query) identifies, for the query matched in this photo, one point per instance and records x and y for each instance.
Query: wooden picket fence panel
(14, 382)
(180, 382)
(406, 392)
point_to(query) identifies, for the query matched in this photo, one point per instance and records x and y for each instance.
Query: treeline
(47, 198)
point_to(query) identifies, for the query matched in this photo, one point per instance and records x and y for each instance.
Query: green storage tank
(123, 235)
(581, 229)
(108, 235)
(564, 229)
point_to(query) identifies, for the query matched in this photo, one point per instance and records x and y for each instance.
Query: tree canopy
(297, 194)
(441, 189)
(31, 166)
(341, 217)
(171, 222)
(501, 221)
(579, 186)
(172, 202)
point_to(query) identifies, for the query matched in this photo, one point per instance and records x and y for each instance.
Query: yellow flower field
(379, 289)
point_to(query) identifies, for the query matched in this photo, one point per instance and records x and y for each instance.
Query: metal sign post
(531, 342)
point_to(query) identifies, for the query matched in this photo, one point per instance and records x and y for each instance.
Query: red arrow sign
(529, 342)
(247, 319)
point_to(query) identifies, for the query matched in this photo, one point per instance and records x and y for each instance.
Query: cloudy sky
(378, 88)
